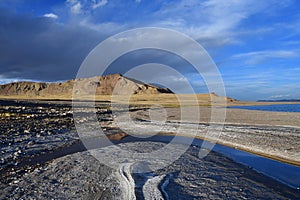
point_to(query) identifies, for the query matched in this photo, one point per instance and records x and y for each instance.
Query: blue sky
(255, 44)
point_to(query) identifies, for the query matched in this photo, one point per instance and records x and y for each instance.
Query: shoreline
(272, 157)
(246, 130)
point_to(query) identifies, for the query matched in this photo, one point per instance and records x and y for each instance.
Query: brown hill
(103, 85)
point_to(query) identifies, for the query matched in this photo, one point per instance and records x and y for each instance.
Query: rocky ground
(81, 176)
(32, 130)
(29, 129)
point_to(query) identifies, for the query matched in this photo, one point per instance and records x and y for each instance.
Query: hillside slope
(103, 85)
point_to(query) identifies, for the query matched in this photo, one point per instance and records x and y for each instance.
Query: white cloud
(51, 15)
(274, 54)
(256, 57)
(76, 8)
(217, 21)
(107, 27)
(86, 6)
(280, 96)
(99, 4)
(5, 80)
(72, 1)
(211, 22)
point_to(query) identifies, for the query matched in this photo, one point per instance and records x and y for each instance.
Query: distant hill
(280, 100)
(103, 85)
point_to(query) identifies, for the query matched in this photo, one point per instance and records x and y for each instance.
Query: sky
(255, 44)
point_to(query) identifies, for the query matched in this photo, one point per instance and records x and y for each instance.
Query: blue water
(274, 108)
(283, 172)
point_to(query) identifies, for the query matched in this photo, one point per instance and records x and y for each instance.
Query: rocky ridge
(103, 85)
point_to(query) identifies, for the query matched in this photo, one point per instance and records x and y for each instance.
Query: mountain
(103, 85)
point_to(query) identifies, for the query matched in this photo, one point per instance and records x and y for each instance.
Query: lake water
(274, 108)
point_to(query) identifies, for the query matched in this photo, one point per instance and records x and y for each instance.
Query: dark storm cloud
(42, 49)
(143, 56)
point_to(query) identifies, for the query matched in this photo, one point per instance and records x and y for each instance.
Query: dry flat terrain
(168, 100)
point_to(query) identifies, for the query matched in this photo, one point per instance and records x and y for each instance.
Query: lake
(273, 108)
